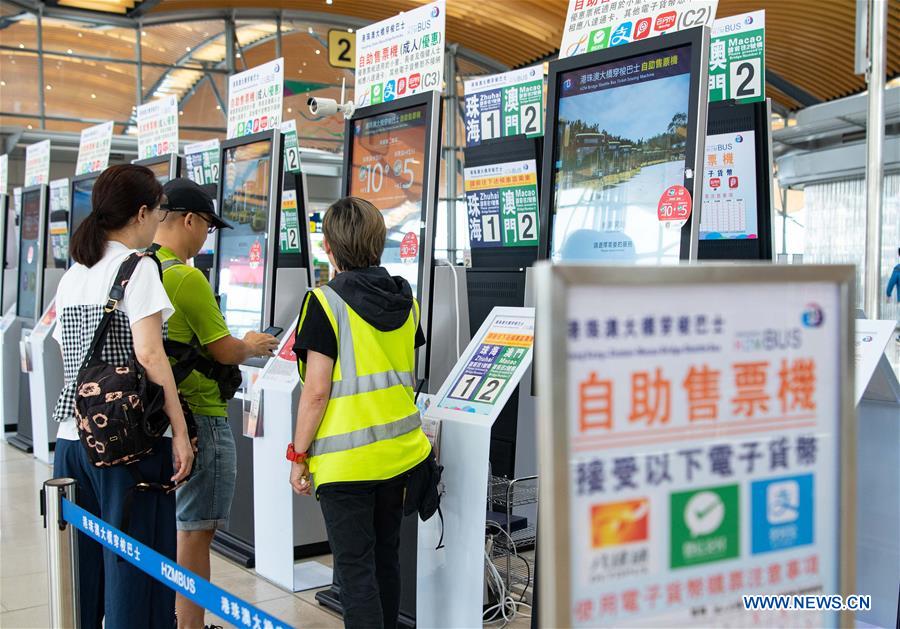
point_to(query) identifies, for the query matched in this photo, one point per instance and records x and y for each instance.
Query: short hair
(355, 231)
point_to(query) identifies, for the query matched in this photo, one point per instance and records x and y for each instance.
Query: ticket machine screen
(29, 254)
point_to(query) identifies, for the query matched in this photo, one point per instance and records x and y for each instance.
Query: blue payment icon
(783, 512)
(390, 90)
(621, 35)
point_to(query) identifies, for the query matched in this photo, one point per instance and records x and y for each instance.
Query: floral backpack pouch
(118, 410)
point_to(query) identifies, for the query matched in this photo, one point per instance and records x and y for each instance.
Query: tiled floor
(23, 569)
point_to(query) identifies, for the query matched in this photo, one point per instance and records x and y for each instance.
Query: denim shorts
(204, 502)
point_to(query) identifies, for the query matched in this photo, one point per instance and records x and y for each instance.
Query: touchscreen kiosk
(165, 167)
(80, 200)
(624, 125)
(5, 231)
(32, 241)
(245, 276)
(391, 160)
(736, 222)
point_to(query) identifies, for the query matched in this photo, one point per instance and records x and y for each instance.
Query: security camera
(322, 107)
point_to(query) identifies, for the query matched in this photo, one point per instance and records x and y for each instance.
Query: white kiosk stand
(450, 581)
(878, 481)
(45, 381)
(10, 333)
(282, 520)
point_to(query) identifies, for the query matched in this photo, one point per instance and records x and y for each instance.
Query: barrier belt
(195, 588)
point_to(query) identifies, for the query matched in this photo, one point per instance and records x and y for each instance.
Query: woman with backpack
(111, 306)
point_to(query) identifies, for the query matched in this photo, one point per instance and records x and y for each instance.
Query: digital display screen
(387, 168)
(242, 251)
(620, 143)
(58, 251)
(162, 172)
(81, 201)
(29, 254)
(729, 209)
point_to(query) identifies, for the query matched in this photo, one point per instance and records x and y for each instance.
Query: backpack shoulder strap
(168, 264)
(116, 294)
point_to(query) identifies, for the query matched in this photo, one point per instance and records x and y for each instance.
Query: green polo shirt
(196, 315)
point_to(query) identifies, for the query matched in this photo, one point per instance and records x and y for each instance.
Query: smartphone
(274, 331)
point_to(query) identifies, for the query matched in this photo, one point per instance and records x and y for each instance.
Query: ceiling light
(349, 30)
(181, 113)
(304, 64)
(80, 35)
(144, 33)
(329, 1)
(187, 48)
(290, 111)
(93, 96)
(2, 83)
(21, 45)
(310, 30)
(49, 87)
(69, 50)
(318, 52)
(30, 127)
(219, 107)
(237, 55)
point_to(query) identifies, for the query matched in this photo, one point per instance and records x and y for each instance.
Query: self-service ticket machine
(391, 154)
(165, 167)
(9, 395)
(7, 228)
(80, 204)
(45, 376)
(37, 282)
(258, 287)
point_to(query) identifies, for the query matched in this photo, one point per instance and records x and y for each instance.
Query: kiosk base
(21, 442)
(233, 548)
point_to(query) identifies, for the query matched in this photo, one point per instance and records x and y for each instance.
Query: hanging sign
(490, 369)
(291, 146)
(597, 24)
(401, 56)
(157, 123)
(737, 58)
(202, 159)
(341, 49)
(502, 203)
(4, 173)
(93, 148)
(255, 99)
(700, 447)
(729, 187)
(505, 104)
(290, 226)
(37, 163)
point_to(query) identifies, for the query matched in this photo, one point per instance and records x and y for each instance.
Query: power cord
(454, 271)
(508, 606)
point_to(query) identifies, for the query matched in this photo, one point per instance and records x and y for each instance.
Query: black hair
(118, 195)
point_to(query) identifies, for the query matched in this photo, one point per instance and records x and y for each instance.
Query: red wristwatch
(295, 457)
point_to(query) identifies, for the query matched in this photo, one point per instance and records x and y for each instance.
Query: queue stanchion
(62, 553)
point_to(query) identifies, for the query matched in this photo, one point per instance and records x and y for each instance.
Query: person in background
(126, 211)
(204, 357)
(358, 430)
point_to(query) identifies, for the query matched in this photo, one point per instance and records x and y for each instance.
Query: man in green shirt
(205, 345)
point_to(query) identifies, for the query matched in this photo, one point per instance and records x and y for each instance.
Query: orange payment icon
(617, 523)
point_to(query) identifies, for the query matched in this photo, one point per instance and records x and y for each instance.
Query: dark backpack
(118, 410)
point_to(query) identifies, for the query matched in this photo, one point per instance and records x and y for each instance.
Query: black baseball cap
(186, 196)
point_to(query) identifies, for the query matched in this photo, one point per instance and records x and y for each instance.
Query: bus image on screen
(388, 162)
(242, 250)
(621, 138)
(29, 254)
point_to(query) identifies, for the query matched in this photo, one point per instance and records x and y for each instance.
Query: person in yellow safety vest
(358, 431)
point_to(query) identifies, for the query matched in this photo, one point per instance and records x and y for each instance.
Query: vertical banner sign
(59, 222)
(4, 173)
(505, 104)
(597, 24)
(202, 159)
(737, 58)
(729, 187)
(255, 99)
(291, 146)
(290, 227)
(401, 56)
(157, 123)
(93, 148)
(502, 202)
(703, 450)
(37, 163)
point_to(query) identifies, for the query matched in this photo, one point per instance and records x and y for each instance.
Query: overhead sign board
(502, 105)
(157, 123)
(693, 449)
(93, 148)
(401, 56)
(37, 163)
(255, 99)
(597, 24)
(341, 49)
(737, 58)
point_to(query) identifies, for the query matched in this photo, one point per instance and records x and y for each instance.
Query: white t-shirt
(82, 286)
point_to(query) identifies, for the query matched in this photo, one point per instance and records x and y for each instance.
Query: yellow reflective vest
(371, 429)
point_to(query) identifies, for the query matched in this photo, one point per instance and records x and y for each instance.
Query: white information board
(401, 56)
(37, 163)
(597, 24)
(255, 99)
(729, 187)
(93, 148)
(157, 123)
(704, 444)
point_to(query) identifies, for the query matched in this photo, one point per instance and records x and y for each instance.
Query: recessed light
(187, 48)
(218, 107)
(290, 111)
(93, 96)
(30, 127)
(304, 64)
(21, 45)
(69, 50)
(49, 87)
(144, 33)
(310, 30)
(318, 52)
(80, 35)
(181, 113)
(329, 1)
(349, 30)
(237, 55)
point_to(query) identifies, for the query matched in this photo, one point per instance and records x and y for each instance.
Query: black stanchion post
(62, 554)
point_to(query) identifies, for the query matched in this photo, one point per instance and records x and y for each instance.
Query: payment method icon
(617, 523)
(621, 34)
(642, 28)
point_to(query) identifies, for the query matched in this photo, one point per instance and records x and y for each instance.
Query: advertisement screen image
(388, 156)
(620, 143)
(242, 250)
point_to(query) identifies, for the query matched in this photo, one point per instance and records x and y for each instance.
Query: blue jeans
(204, 502)
(110, 587)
